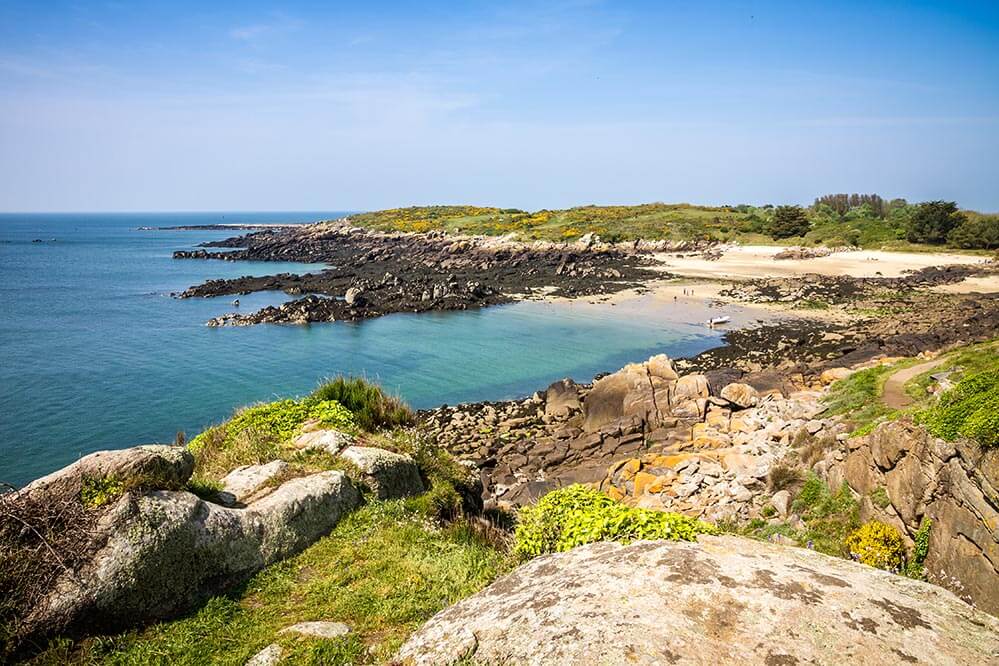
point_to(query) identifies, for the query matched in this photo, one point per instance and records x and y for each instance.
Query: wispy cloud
(277, 24)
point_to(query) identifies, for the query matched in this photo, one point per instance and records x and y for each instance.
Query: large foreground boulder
(724, 600)
(167, 551)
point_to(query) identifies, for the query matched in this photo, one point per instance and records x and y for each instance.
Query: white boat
(714, 321)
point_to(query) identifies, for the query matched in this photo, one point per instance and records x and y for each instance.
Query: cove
(96, 354)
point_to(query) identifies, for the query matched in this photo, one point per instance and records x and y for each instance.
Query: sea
(96, 354)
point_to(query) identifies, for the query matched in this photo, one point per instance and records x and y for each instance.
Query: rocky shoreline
(375, 273)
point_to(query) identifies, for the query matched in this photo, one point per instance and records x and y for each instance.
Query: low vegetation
(828, 517)
(833, 220)
(577, 515)
(878, 545)
(858, 398)
(969, 409)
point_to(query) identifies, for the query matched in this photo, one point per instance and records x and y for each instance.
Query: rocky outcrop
(375, 273)
(243, 484)
(156, 550)
(151, 465)
(389, 475)
(167, 551)
(720, 472)
(904, 475)
(697, 443)
(724, 600)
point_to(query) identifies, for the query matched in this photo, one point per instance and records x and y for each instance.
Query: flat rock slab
(390, 475)
(332, 441)
(724, 600)
(244, 482)
(318, 629)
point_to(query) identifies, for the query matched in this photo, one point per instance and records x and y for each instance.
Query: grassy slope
(383, 571)
(648, 221)
(858, 397)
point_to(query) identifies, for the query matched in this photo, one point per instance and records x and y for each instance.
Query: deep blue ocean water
(95, 354)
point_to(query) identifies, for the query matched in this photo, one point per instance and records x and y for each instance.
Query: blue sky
(335, 105)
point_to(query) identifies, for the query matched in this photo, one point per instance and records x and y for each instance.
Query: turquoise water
(95, 354)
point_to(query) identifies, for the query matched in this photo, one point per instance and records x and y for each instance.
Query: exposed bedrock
(374, 273)
(955, 485)
(723, 600)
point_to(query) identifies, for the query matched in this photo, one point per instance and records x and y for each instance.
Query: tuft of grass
(383, 571)
(577, 515)
(260, 434)
(371, 407)
(782, 477)
(879, 497)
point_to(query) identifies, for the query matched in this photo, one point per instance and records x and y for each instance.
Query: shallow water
(96, 354)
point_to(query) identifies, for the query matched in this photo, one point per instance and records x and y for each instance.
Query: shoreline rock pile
(645, 434)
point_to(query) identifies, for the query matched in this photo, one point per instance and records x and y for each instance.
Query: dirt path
(894, 394)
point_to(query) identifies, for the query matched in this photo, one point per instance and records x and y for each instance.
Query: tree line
(930, 222)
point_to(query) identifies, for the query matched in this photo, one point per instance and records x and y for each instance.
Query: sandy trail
(757, 261)
(894, 394)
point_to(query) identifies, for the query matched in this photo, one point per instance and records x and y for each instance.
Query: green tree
(979, 232)
(789, 221)
(933, 220)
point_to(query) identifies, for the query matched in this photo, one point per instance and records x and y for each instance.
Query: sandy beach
(757, 261)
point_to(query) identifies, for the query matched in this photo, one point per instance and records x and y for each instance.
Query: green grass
(383, 571)
(372, 409)
(970, 409)
(858, 397)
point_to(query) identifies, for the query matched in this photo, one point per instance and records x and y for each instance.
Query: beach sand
(757, 261)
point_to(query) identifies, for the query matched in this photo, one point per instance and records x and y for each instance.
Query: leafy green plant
(969, 409)
(96, 491)
(577, 515)
(878, 545)
(372, 408)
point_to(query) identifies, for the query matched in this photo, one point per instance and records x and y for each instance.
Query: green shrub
(878, 545)
(258, 434)
(96, 491)
(788, 221)
(372, 408)
(970, 409)
(829, 516)
(577, 515)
